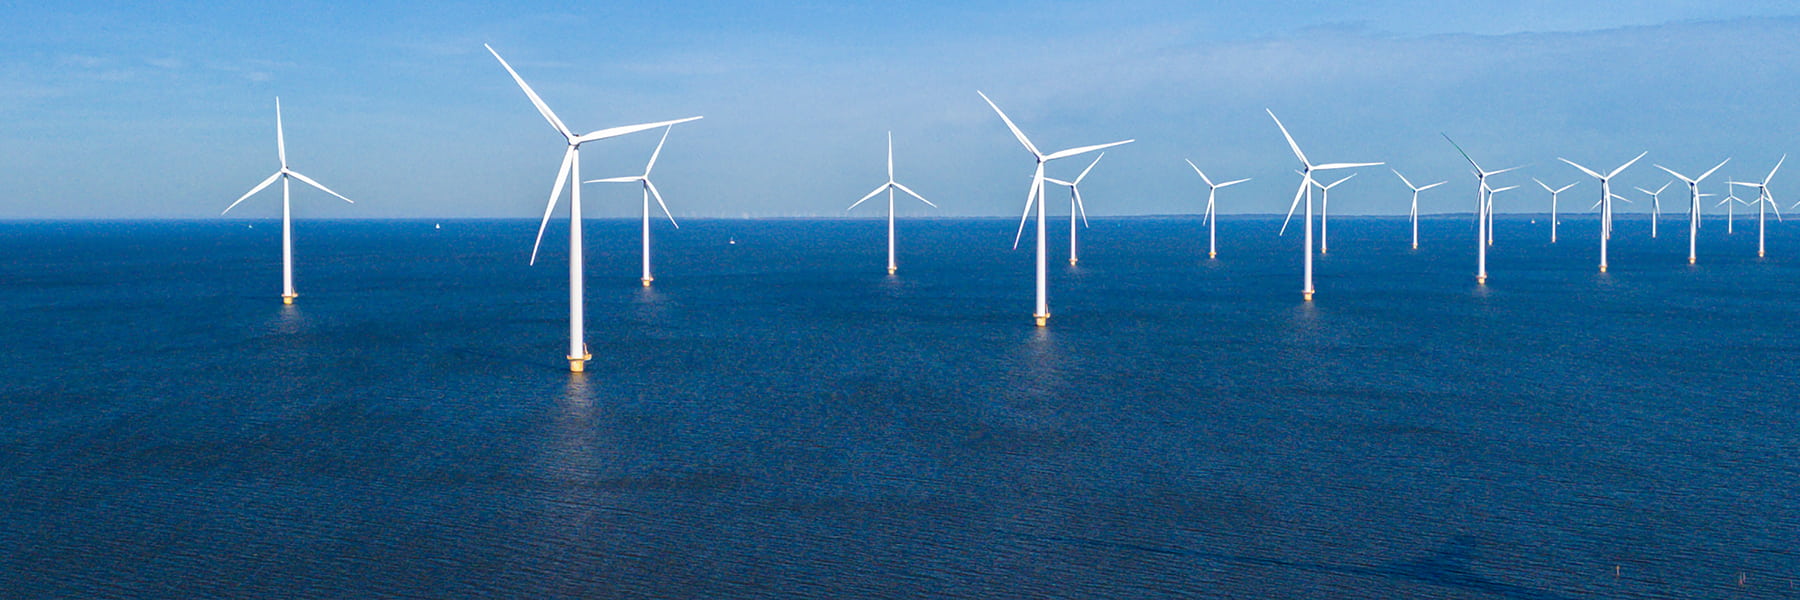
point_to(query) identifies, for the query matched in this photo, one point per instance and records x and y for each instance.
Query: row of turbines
(569, 175)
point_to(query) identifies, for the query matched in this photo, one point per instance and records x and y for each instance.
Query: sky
(149, 111)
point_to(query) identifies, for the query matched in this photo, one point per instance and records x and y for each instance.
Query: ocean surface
(779, 418)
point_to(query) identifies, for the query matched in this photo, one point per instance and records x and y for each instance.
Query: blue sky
(128, 111)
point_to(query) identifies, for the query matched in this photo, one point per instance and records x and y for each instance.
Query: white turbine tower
(1306, 186)
(1694, 202)
(1483, 211)
(1075, 205)
(1325, 212)
(571, 171)
(1212, 218)
(1554, 192)
(889, 187)
(649, 190)
(1764, 202)
(1606, 197)
(1730, 209)
(1414, 213)
(1655, 205)
(1036, 195)
(287, 222)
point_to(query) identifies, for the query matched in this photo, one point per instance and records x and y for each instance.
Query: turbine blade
(1459, 150)
(1334, 183)
(1332, 166)
(612, 132)
(878, 190)
(1677, 175)
(1037, 185)
(1290, 139)
(1016, 133)
(1621, 169)
(280, 138)
(1543, 185)
(1772, 171)
(259, 187)
(658, 152)
(1231, 183)
(659, 202)
(1084, 150)
(1431, 186)
(1403, 179)
(1505, 170)
(1710, 171)
(562, 177)
(625, 179)
(908, 190)
(1090, 167)
(316, 184)
(543, 109)
(890, 156)
(1304, 181)
(1583, 169)
(1203, 176)
(1079, 207)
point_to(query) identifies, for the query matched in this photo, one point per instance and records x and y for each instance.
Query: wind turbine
(1075, 204)
(1553, 193)
(1764, 202)
(571, 171)
(287, 222)
(1655, 205)
(1042, 312)
(649, 190)
(1606, 197)
(1325, 211)
(1306, 186)
(1483, 210)
(1414, 214)
(1730, 213)
(889, 187)
(1694, 202)
(1212, 217)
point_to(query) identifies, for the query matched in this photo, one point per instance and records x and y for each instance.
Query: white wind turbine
(649, 190)
(1694, 202)
(1483, 211)
(1212, 218)
(1306, 186)
(1042, 312)
(1325, 212)
(1414, 214)
(889, 187)
(1764, 202)
(1553, 194)
(1655, 205)
(1730, 209)
(1075, 204)
(1606, 197)
(287, 222)
(571, 171)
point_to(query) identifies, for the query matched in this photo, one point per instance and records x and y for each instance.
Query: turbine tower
(1212, 218)
(287, 221)
(889, 187)
(1730, 212)
(1306, 185)
(1414, 213)
(1325, 212)
(1075, 204)
(571, 171)
(1694, 202)
(1553, 194)
(1036, 195)
(1606, 197)
(1655, 205)
(649, 190)
(1483, 210)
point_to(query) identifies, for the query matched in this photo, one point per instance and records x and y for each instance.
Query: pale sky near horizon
(115, 110)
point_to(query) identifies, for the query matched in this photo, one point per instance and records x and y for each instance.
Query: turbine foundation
(1759, 254)
(1307, 296)
(1072, 262)
(890, 270)
(1211, 254)
(288, 298)
(578, 364)
(1042, 319)
(646, 281)
(1602, 268)
(1480, 280)
(1690, 260)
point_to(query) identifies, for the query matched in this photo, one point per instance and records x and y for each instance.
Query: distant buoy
(437, 226)
(733, 241)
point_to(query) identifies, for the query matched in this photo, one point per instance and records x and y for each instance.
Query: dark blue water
(779, 418)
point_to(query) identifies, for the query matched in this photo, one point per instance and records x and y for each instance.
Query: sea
(777, 417)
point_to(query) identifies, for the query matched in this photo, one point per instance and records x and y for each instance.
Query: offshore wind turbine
(1306, 186)
(1694, 202)
(287, 221)
(571, 171)
(889, 187)
(1042, 312)
(1483, 210)
(1075, 204)
(1212, 218)
(1655, 205)
(1325, 212)
(1414, 214)
(1606, 197)
(1553, 193)
(1730, 213)
(1764, 202)
(649, 190)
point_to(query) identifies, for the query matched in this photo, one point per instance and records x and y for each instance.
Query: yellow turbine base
(1480, 280)
(1212, 255)
(1415, 246)
(1307, 296)
(288, 298)
(1602, 268)
(646, 281)
(1042, 319)
(1072, 262)
(1759, 254)
(891, 270)
(1690, 260)
(578, 364)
